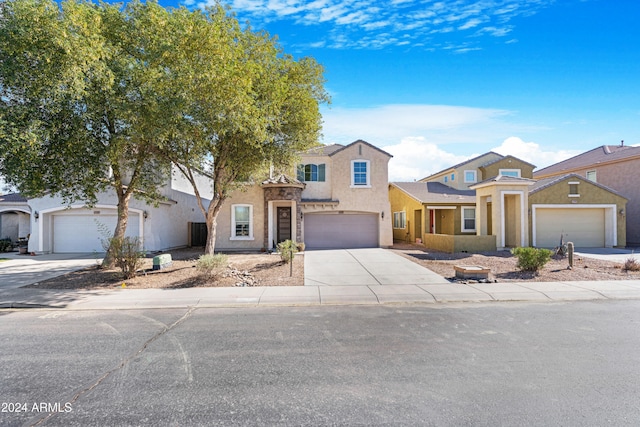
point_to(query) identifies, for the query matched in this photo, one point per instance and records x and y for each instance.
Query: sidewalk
(318, 295)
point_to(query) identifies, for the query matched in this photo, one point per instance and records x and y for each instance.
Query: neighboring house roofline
(507, 157)
(12, 198)
(435, 192)
(359, 141)
(599, 156)
(543, 183)
(502, 180)
(443, 171)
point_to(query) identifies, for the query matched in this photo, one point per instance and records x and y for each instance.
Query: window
(470, 176)
(399, 220)
(242, 222)
(453, 177)
(311, 172)
(360, 173)
(573, 189)
(446, 179)
(510, 172)
(468, 219)
(591, 176)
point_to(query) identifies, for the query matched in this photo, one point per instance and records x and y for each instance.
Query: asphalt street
(573, 363)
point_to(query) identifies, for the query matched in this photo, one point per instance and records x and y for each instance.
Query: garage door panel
(73, 233)
(324, 231)
(584, 227)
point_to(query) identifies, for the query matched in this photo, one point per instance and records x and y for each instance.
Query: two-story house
(615, 166)
(492, 202)
(338, 199)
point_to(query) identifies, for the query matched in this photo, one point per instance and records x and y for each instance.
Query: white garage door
(584, 227)
(84, 233)
(337, 231)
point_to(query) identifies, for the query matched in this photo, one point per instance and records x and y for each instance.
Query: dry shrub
(631, 264)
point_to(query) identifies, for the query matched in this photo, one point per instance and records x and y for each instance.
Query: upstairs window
(360, 173)
(453, 177)
(573, 189)
(591, 176)
(510, 172)
(311, 173)
(470, 176)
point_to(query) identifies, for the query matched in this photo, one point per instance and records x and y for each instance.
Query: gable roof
(466, 162)
(332, 149)
(506, 157)
(435, 192)
(548, 182)
(599, 155)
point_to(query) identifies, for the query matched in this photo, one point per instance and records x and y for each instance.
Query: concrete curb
(120, 299)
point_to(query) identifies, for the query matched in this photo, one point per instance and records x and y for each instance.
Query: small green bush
(5, 245)
(531, 259)
(210, 265)
(631, 264)
(287, 250)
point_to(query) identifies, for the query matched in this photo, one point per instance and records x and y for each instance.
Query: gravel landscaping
(503, 266)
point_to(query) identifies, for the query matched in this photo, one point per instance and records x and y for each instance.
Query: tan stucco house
(492, 202)
(615, 166)
(339, 199)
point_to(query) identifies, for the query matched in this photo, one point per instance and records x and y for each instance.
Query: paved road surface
(484, 364)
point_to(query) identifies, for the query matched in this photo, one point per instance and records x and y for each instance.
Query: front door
(284, 224)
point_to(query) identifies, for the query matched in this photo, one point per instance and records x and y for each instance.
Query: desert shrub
(531, 259)
(287, 250)
(300, 246)
(209, 265)
(631, 264)
(127, 254)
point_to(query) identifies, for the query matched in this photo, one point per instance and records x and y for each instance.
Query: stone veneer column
(275, 193)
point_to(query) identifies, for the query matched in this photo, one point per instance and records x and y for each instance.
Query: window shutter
(321, 168)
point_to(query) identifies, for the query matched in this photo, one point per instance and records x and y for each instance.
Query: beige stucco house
(339, 199)
(615, 166)
(492, 202)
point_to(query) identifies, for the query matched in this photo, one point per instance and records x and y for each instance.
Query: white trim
(43, 212)
(523, 228)
(573, 182)
(15, 209)
(368, 184)
(574, 195)
(233, 221)
(475, 176)
(435, 208)
(462, 228)
(610, 210)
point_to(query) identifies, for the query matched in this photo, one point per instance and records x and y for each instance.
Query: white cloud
(425, 139)
(415, 157)
(352, 17)
(532, 152)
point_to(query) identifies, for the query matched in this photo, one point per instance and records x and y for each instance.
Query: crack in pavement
(43, 418)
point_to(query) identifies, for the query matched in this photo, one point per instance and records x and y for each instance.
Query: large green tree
(243, 104)
(78, 114)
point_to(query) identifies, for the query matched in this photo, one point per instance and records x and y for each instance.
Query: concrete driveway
(374, 266)
(608, 254)
(20, 270)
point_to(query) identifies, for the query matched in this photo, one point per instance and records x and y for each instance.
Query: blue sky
(436, 82)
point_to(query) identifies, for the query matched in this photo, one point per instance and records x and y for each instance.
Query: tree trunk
(121, 227)
(211, 219)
